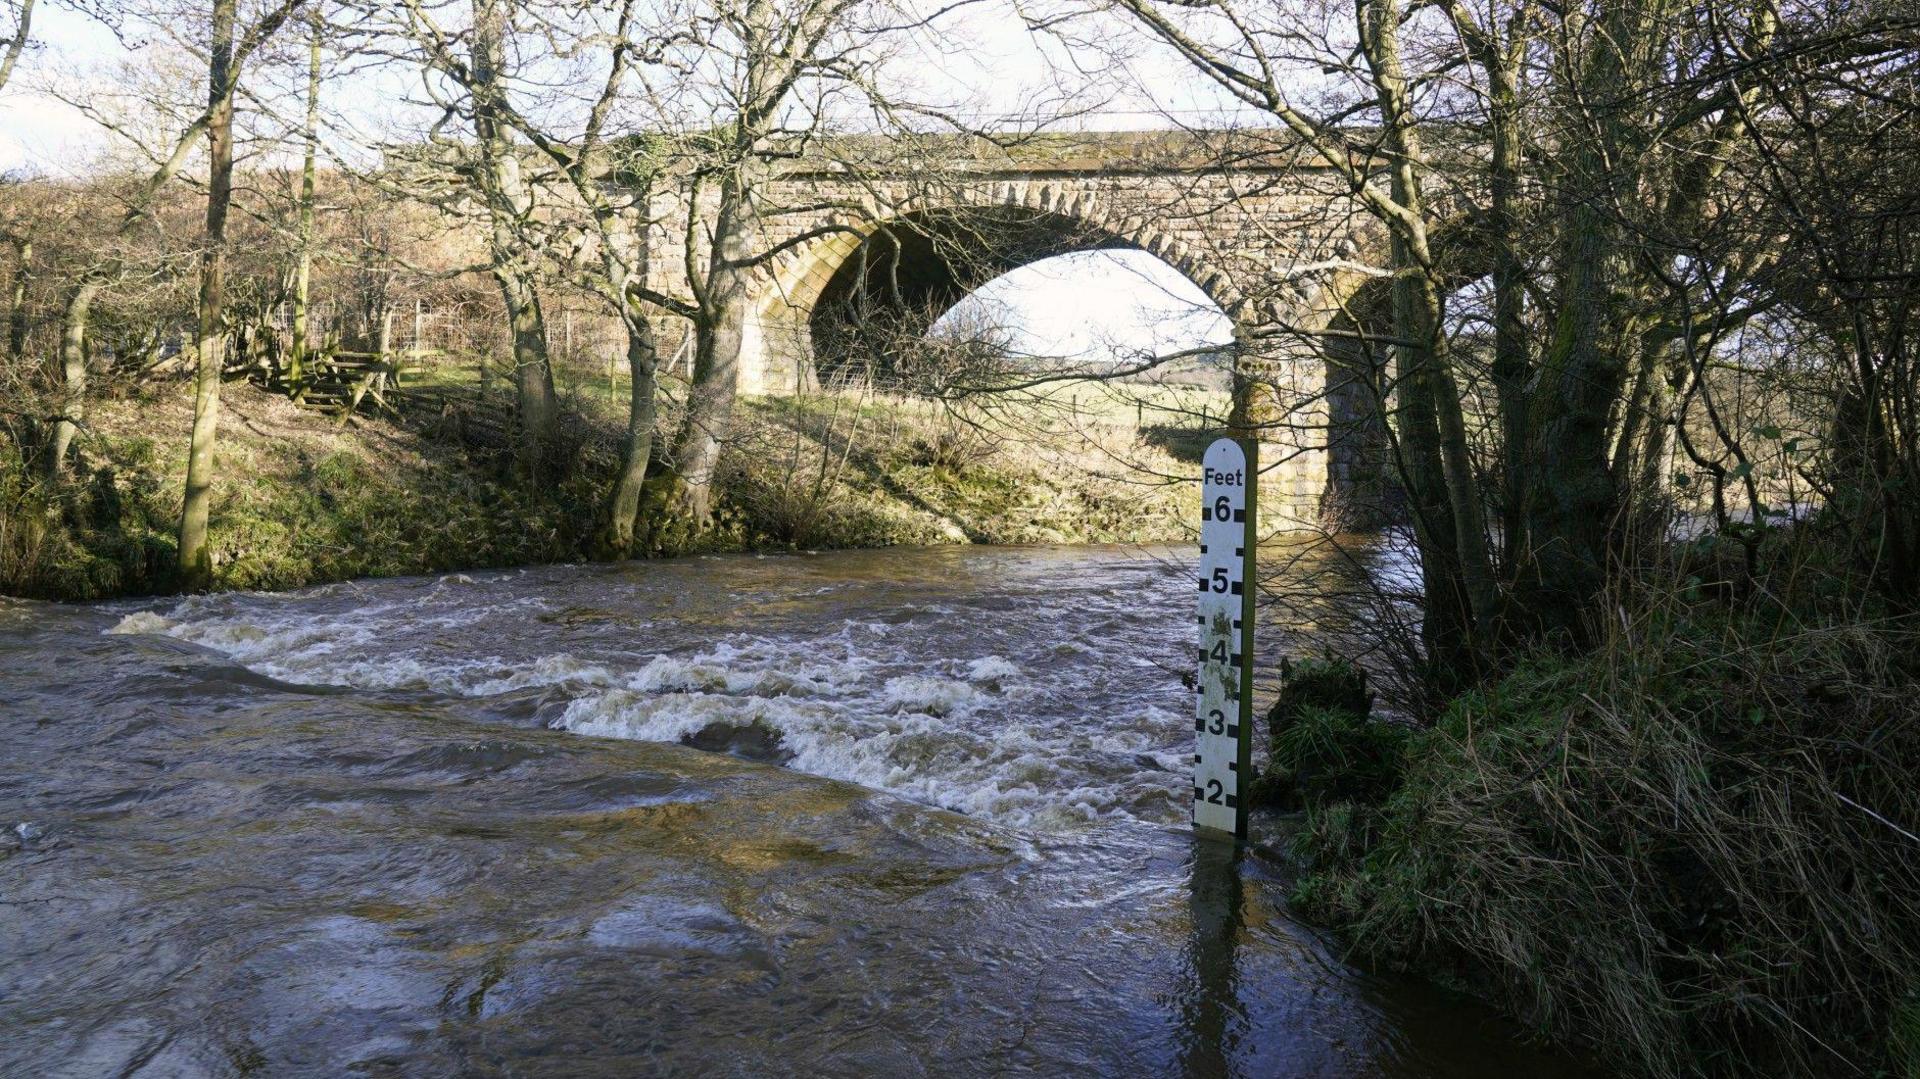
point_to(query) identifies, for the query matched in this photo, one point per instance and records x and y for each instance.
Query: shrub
(1693, 850)
(954, 443)
(1322, 743)
(1335, 754)
(106, 532)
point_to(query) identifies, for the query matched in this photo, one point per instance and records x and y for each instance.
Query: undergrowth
(300, 502)
(1695, 850)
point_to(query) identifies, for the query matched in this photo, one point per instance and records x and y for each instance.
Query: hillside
(303, 500)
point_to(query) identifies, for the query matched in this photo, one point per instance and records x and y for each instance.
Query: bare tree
(140, 203)
(15, 42)
(606, 203)
(196, 560)
(1544, 146)
(1832, 115)
(309, 162)
(778, 67)
(477, 61)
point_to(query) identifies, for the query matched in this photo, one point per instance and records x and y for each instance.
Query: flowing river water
(892, 813)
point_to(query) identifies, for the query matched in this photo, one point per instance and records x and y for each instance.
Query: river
(892, 813)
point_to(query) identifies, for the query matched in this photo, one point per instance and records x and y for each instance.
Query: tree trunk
(1652, 471)
(1447, 627)
(73, 375)
(12, 48)
(718, 337)
(509, 205)
(623, 508)
(537, 406)
(1571, 503)
(1450, 514)
(1512, 355)
(17, 302)
(196, 562)
(303, 271)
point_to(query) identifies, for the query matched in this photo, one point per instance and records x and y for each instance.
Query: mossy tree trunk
(17, 299)
(1449, 513)
(536, 405)
(719, 333)
(196, 562)
(510, 213)
(623, 508)
(73, 374)
(1501, 53)
(1573, 497)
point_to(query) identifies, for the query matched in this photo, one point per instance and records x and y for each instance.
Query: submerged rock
(755, 741)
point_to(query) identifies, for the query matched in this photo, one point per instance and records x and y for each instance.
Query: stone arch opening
(900, 279)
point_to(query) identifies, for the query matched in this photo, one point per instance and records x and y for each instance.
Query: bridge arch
(897, 273)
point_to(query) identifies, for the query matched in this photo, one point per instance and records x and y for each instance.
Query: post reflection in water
(1212, 1017)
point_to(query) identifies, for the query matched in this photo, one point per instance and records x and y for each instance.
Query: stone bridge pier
(1268, 236)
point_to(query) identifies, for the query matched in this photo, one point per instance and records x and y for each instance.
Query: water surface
(913, 812)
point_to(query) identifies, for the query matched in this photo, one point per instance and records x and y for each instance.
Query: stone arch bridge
(1267, 232)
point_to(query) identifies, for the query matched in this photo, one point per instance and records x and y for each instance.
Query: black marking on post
(1237, 588)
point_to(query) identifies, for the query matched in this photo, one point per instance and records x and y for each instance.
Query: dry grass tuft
(1696, 850)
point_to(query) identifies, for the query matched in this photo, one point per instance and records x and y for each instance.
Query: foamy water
(1016, 686)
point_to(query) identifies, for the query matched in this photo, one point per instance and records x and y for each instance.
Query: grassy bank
(302, 501)
(1693, 851)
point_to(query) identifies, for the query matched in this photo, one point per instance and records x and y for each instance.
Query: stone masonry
(1269, 234)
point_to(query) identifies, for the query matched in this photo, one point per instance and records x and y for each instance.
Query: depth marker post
(1223, 713)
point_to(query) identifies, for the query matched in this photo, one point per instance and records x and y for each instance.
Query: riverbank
(300, 500)
(1693, 850)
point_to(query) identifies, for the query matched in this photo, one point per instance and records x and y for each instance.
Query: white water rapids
(1055, 704)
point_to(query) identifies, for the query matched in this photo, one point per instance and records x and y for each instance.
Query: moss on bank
(300, 501)
(1692, 851)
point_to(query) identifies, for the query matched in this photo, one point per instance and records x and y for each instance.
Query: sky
(37, 131)
(1080, 305)
(1091, 304)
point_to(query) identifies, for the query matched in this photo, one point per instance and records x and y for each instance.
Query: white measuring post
(1223, 716)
